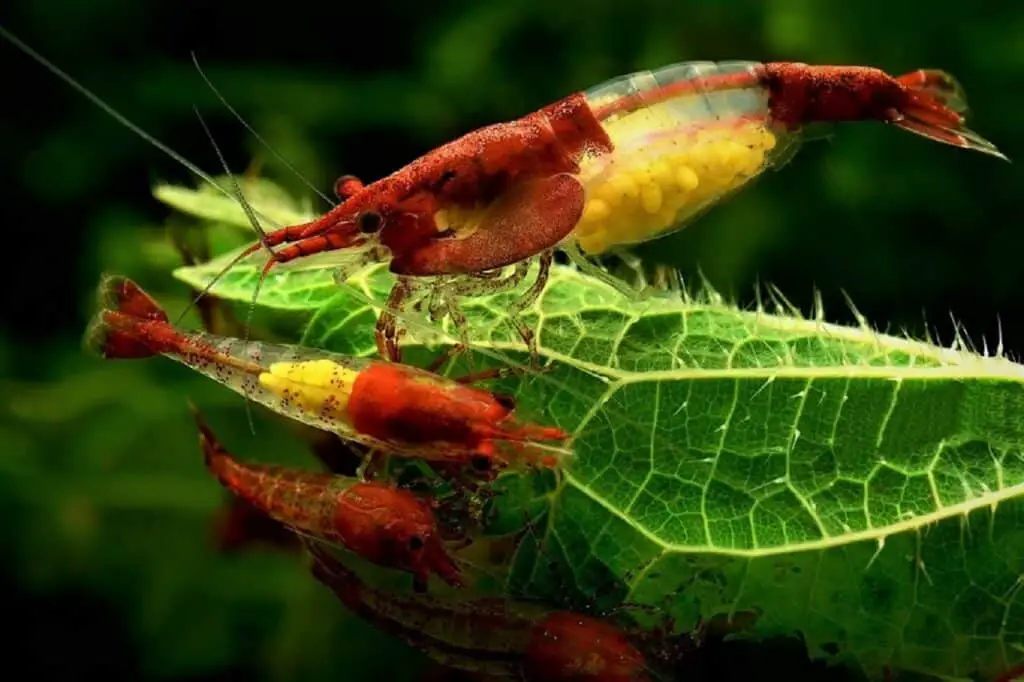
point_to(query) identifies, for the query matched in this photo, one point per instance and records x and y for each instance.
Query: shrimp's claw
(934, 106)
(113, 332)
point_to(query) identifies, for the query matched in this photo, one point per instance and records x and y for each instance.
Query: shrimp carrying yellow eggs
(634, 198)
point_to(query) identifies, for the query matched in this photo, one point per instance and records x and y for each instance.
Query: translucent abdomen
(684, 137)
(308, 385)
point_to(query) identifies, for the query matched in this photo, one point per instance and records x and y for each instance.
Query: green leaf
(860, 489)
(211, 204)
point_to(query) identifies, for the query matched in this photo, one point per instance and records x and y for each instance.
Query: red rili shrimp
(391, 407)
(383, 524)
(492, 636)
(630, 160)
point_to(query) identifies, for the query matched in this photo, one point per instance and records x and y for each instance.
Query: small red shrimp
(630, 160)
(386, 406)
(385, 525)
(569, 647)
(491, 635)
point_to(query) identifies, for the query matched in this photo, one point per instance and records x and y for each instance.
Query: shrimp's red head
(393, 528)
(568, 646)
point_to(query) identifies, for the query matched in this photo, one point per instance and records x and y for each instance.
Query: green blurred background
(108, 563)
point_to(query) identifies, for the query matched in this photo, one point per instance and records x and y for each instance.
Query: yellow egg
(687, 178)
(661, 173)
(650, 197)
(593, 242)
(624, 185)
(319, 388)
(596, 210)
(608, 194)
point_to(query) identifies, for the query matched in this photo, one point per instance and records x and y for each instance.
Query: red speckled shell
(397, 403)
(568, 647)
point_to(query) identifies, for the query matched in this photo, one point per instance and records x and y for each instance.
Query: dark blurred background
(108, 561)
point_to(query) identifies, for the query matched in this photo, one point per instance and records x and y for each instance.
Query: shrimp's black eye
(369, 222)
(346, 186)
(416, 543)
(481, 463)
(506, 401)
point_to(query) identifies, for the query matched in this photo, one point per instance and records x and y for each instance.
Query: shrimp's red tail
(239, 524)
(934, 108)
(129, 325)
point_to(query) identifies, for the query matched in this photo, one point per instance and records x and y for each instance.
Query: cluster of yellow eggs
(316, 387)
(662, 173)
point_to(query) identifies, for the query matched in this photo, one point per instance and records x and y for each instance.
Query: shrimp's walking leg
(369, 469)
(572, 250)
(465, 287)
(528, 299)
(529, 218)
(387, 331)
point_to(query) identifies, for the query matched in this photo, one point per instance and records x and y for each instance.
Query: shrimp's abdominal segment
(635, 198)
(316, 387)
(673, 156)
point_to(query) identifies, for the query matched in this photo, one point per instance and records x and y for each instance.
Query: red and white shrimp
(493, 636)
(384, 524)
(630, 160)
(394, 408)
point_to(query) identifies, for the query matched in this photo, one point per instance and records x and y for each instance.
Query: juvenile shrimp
(385, 525)
(630, 160)
(387, 406)
(627, 161)
(494, 636)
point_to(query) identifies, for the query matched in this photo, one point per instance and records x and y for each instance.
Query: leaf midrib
(992, 499)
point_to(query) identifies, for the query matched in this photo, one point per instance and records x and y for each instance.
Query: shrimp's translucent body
(684, 136)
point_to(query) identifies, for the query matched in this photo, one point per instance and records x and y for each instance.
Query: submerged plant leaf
(859, 489)
(209, 203)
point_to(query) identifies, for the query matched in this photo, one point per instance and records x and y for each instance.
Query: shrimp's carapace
(383, 524)
(395, 408)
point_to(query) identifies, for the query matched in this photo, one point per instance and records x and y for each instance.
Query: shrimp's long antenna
(259, 138)
(356, 292)
(123, 120)
(240, 196)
